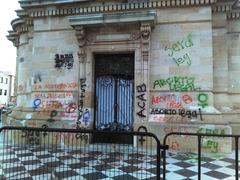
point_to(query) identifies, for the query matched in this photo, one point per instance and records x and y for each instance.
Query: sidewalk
(59, 163)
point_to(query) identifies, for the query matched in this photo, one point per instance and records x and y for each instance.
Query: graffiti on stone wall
(83, 114)
(180, 112)
(63, 61)
(141, 100)
(177, 83)
(176, 51)
(203, 100)
(163, 118)
(37, 78)
(55, 105)
(179, 100)
(59, 86)
(53, 114)
(210, 143)
(31, 137)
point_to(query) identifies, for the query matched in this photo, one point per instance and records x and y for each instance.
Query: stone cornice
(223, 7)
(101, 19)
(35, 3)
(235, 14)
(230, 7)
(14, 37)
(80, 8)
(19, 25)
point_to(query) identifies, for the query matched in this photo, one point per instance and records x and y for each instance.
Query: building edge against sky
(184, 56)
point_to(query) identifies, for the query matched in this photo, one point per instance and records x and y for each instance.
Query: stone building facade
(177, 59)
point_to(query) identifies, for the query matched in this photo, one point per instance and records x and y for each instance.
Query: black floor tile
(216, 174)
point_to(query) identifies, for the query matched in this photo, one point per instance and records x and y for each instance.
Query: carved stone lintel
(81, 38)
(145, 40)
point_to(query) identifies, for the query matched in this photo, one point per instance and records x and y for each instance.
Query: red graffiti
(54, 95)
(187, 99)
(160, 99)
(71, 107)
(51, 105)
(174, 104)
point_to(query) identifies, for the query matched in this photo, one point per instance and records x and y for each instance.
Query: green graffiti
(211, 131)
(210, 145)
(186, 58)
(177, 83)
(203, 100)
(179, 46)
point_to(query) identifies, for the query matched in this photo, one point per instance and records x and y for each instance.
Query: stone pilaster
(145, 30)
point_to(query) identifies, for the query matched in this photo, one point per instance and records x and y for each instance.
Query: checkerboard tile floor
(58, 163)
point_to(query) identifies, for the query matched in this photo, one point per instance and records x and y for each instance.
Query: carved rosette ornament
(145, 40)
(81, 38)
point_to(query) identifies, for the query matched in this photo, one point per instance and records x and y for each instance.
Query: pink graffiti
(161, 99)
(161, 118)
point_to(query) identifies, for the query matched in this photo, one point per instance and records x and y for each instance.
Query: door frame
(127, 139)
(130, 54)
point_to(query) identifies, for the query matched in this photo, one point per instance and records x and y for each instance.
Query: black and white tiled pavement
(58, 163)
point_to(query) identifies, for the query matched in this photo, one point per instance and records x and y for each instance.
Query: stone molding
(233, 15)
(145, 30)
(119, 18)
(88, 9)
(222, 8)
(230, 7)
(81, 38)
(13, 37)
(19, 26)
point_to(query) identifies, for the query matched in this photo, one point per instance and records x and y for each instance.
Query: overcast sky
(8, 51)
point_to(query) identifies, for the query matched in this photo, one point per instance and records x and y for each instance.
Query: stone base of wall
(212, 124)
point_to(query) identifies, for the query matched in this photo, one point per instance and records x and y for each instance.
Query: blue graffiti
(36, 103)
(86, 117)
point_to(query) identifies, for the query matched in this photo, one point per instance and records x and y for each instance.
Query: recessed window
(1, 80)
(5, 92)
(0, 91)
(6, 80)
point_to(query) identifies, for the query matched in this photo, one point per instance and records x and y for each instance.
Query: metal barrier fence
(37, 153)
(200, 136)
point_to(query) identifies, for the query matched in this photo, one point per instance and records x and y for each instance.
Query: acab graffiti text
(141, 90)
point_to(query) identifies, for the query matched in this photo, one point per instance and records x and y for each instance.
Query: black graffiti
(52, 115)
(63, 61)
(81, 98)
(81, 136)
(37, 78)
(141, 90)
(32, 137)
(181, 112)
(141, 139)
(44, 127)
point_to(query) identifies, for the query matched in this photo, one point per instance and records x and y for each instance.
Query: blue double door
(114, 93)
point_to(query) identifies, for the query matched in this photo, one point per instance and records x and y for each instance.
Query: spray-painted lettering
(181, 112)
(177, 83)
(178, 47)
(81, 99)
(63, 61)
(141, 93)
